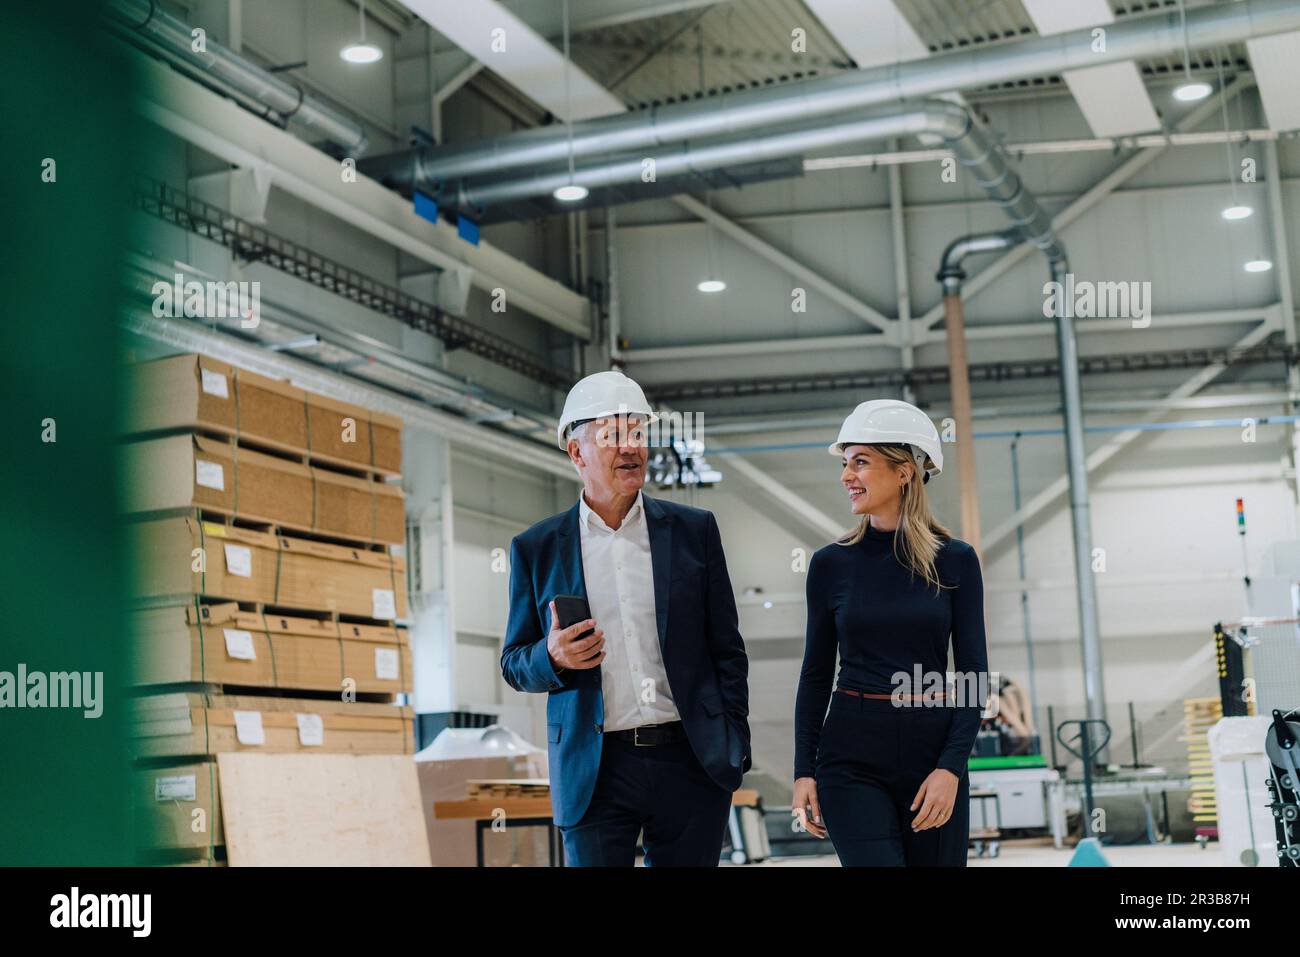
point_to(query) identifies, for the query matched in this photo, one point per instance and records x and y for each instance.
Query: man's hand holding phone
(577, 647)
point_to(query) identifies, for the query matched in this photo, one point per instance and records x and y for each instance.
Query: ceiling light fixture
(1235, 211)
(570, 192)
(361, 51)
(1192, 90)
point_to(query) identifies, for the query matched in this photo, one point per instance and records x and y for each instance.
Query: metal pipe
(144, 18)
(969, 140)
(951, 274)
(694, 157)
(1133, 38)
(1067, 347)
(959, 393)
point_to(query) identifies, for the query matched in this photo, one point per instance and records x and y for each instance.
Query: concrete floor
(1035, 855)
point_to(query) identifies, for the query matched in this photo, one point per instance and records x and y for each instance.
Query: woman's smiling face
(873, 482)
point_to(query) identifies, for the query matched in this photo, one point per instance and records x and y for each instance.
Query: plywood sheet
(322, 810)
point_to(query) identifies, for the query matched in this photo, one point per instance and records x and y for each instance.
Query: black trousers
(661, 792)
(872, 758)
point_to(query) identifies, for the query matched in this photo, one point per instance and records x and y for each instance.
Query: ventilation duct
(1133, 38)
(145, 19)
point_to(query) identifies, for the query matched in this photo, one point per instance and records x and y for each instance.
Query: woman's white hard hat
(893, 422)
(599, 395)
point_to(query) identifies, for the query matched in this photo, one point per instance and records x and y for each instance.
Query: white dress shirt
(621, 595)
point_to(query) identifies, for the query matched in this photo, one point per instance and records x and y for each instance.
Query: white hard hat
(599, 395)
(893, 422)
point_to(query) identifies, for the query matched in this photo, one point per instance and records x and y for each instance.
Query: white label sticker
(239, 560)
(239, 644)
(311, 730)
(174, 787)
(386, 663)
(214, 383)
(383, 604)
(210, 475)
(248, 727)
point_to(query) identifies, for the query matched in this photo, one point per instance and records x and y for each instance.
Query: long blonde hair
(919, 535)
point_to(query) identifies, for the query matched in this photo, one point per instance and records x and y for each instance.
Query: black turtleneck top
(882, 619)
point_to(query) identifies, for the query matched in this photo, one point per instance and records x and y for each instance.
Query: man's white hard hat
(893, 422)
(599, 395)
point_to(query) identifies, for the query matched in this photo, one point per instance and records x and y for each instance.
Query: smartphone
(571, 609)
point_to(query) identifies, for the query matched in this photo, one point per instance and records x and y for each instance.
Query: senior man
(647, 717)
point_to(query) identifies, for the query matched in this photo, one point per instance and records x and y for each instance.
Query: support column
(426, 479)
(1286, 301)
(611, 290)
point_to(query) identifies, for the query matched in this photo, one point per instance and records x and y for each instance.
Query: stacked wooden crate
(266, 533)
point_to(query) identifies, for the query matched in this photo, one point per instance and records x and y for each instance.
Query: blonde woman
(883, 772)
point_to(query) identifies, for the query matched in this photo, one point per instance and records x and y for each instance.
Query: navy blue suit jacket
(703, 655)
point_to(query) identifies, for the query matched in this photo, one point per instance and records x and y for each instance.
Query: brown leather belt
(890, 697)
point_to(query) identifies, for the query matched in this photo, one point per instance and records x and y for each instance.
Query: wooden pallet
(319, 614)
(306, 695)
(289, 453)
(256, 523)
(266, 609)
(525, 788)
(1199, 715)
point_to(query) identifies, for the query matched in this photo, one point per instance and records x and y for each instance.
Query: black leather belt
(649, 735)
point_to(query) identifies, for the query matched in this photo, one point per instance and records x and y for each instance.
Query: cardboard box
(178, 557)
(451, 842)
(220, 644)
(193, 392)
(190, 724)
(359, 508)
(348, 433)
(178, 806)
(190, 471)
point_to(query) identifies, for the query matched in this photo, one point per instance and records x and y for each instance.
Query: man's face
(611, 454)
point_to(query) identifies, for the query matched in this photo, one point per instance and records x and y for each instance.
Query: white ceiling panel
(873, 32)
(1113, 98)
(513, 50)
(1277, 71)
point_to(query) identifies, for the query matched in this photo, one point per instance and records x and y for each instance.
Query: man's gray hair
(574, 431)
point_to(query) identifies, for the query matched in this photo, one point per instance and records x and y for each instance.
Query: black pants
(662, 792)
(872, 758)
